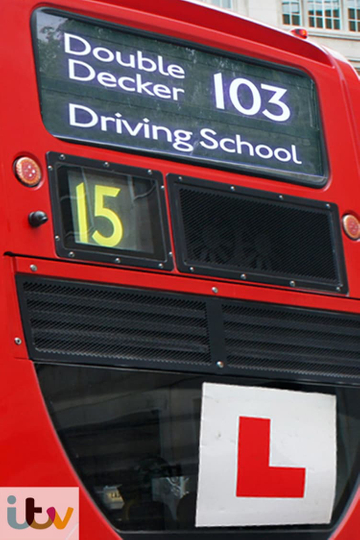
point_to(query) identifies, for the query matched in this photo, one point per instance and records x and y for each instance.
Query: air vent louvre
(121, 326)
(85, 323)
(299, 341)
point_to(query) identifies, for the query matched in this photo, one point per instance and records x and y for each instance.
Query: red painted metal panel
(31, 453)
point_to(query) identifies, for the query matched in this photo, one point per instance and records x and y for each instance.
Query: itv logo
(39, 513)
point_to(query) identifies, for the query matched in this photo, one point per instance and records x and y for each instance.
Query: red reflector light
(351, 226)
(27, 171)
(300, 32)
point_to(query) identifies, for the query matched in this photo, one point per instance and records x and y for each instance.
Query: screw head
(33, 267)
(281, 197)
(57, 238)
(292, 283)
(149, 172)
(62, 157)
(192, 269)
(50, 168)
(106, 164)
(215, 290)
(161, 265)
(232, 188)
(118, 260)
(71, 254)
(220, 364)
(18, 341)
(243, 276)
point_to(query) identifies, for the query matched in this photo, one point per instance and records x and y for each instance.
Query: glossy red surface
(29, 447)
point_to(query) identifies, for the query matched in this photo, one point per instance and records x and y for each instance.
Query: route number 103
(280, 112)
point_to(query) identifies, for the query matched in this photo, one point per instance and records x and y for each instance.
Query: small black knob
(37, 218)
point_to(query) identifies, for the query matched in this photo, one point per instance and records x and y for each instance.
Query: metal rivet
(192, 269)
(243, 276)
(281, 197)
(62, 157)
(106, 164)
(149, 172)
(50, 168)
(327, 205)
(71, 254)
(292, 283)
(161, 265)
(118, 260)
(220, 364)
(18, 341)
(338, 289)
(33, 267)
(57, 238)
(232, 188)
(170, 254)
(215, 290)
(162, 187)
(180, 178)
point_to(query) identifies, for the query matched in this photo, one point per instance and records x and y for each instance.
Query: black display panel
(108, 212)
(245, 234)
(105, 85)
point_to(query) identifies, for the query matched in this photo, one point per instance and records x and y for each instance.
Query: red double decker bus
(179, 274)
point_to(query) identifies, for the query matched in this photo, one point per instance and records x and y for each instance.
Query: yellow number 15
(100, 211)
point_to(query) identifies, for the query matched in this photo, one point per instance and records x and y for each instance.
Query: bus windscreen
(137, 92)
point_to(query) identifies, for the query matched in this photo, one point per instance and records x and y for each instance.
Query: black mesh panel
(113, 325)
(268, 238)
(110, 325)
(297, 341)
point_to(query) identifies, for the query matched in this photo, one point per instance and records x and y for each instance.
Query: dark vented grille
(263, 236)
(108, 325)
(101, 324)
(293, 340)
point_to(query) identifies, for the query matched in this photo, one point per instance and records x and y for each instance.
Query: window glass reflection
(133, 438)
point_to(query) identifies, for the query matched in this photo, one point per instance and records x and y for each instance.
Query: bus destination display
(113, 215)
(107, 86)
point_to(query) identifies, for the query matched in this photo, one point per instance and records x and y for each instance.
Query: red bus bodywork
(31, 454)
